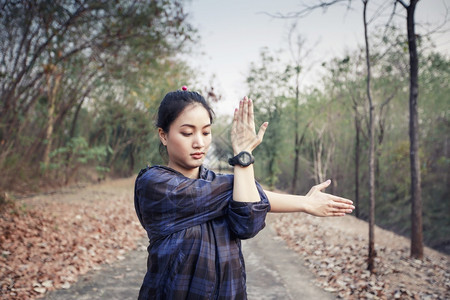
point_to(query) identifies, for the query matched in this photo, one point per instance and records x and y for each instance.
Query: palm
(243, 133)
(324, 205)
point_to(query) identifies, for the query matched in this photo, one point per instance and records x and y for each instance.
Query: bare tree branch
(402, 3)
(308, 9)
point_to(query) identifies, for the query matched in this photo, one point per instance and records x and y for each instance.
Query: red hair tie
(184, 88)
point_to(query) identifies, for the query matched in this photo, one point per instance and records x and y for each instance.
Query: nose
(198, 141)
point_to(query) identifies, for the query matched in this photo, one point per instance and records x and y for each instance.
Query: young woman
(195, 218)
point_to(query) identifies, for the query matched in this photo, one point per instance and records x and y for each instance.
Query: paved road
(273, 272)
(276, 272)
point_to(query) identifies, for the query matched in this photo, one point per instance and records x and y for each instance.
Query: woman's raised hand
(321, 204)
(243, 133)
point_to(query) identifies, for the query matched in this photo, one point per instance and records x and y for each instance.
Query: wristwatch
(243, 159)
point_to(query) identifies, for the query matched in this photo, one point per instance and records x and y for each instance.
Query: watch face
(245, 158)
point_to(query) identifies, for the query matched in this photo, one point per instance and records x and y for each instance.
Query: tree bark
(52, 90)
(297, 138)
(372, 252)
(416, 192)
(357, 149)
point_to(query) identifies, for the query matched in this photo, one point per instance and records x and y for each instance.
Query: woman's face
(188, 140)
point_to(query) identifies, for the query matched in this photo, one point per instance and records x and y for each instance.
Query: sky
(233, 32)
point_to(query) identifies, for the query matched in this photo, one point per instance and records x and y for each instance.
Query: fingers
(243, 129)
(235, 120)
(340, 203)
(246, 114)
(245, 110)
(319, 187)
(342, 200)
(262, 131)
(337, 212)
(251, 118)
(323, 185)
(341, 212)
(240, 111)
(341, 208)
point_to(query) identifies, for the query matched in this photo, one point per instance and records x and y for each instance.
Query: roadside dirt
(48, 241)
(336, 250)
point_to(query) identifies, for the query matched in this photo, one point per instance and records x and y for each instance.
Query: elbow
(246, 222)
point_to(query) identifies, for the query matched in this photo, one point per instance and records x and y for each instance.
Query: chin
(197, 163)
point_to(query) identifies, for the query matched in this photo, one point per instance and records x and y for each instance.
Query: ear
(162, 136)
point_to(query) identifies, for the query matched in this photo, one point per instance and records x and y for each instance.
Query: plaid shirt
(194, 228)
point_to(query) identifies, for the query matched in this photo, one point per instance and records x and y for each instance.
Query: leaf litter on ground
(47, 241)
(57, 238)
(336, 251)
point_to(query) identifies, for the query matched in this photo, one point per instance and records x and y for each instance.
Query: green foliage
(329, 111)
(116, 60)
(268, 88)
(435, 122)
(77, 153)
(113, 61)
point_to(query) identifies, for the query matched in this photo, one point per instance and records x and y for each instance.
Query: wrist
(304, 204)
(243, 159)
(236, 152)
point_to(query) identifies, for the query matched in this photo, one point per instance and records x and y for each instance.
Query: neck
(194, 174)
(191, 173)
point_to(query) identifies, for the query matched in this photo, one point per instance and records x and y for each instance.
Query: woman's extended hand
(243, 134)
(321, 204)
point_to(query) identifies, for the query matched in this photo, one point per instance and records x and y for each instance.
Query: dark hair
(173, 105)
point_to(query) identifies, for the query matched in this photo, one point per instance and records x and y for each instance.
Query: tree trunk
(52, 90)
(297, 138)
(416, 193)
(69, 154)
(357, 149)
(131, 161)
(372, 252)
(272, 177)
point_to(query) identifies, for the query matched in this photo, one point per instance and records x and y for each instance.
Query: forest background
(80, 83)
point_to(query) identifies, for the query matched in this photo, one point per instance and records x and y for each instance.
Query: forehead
(193, 114)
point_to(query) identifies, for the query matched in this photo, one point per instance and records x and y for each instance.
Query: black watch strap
(243, 159)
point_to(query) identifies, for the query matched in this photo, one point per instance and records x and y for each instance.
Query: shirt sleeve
(166, 203)
(246, 219)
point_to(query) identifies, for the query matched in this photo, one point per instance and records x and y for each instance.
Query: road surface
(273, 272)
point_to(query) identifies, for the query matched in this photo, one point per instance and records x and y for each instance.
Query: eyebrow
(192, 126)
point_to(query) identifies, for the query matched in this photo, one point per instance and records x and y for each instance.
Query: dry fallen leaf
(337, 255)
(50, 243)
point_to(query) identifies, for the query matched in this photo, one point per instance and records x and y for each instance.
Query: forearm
(244, 188)
(315, 202)
(283, 203)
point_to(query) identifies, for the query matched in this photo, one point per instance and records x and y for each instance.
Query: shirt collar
(203, 172)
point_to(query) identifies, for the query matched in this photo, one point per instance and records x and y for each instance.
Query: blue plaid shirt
(194, 228)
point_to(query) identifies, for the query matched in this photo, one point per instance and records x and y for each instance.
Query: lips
(197, 155)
